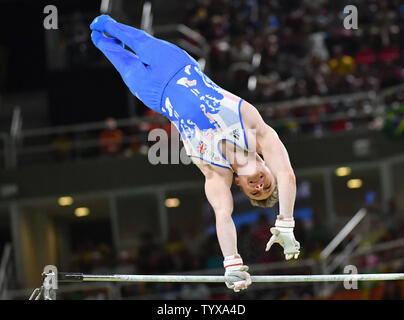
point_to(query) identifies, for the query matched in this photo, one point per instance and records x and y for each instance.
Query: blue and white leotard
(204, 114)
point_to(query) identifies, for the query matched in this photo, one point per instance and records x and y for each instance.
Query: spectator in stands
(241, 51)
(62, 146)
(392, 291)
(341, 64)
(214, 259)
(218, 28)
(195, 291)
(258, 236)
(3, 66)
(319, 235)
(134, 142)
(149, 253)
(99, 264)
(126, 263)
(111, 138)
(247, 246)
(366, 55)
(169, 291)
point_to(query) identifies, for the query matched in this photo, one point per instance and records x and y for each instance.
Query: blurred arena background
(77, 190)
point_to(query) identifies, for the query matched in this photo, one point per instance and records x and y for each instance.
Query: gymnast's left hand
(282, 233)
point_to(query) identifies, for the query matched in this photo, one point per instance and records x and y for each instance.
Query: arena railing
(379, 247)
(359, 245)
(202, 50)
(315, 100)
(3, 148)
(345, 231)
(4, 264)
(24, 144)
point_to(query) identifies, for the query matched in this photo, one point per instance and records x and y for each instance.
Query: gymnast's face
(258, 184)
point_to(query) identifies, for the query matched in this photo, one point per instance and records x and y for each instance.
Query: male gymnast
(222, 133)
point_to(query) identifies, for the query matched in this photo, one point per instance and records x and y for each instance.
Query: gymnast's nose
(259, 186)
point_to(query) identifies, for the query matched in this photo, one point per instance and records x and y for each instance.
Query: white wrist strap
(233, 262)
(284, 223)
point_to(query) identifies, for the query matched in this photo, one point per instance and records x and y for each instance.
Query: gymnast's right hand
(147, 70)
(234, 267)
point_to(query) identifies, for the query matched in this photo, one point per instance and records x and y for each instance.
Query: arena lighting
(354, 183)
(65, 201)
(81, 212)
(343, 171)
(172, 202)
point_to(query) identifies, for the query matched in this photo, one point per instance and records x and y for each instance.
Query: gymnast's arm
(277, 159)
(275, 156)
(217, 190)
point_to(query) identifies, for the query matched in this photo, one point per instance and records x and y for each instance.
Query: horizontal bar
(70, 277)
(65, 277)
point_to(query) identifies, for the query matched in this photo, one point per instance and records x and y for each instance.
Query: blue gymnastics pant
(149, 67)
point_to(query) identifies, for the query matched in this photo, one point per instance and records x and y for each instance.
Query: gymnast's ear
(237, 180)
